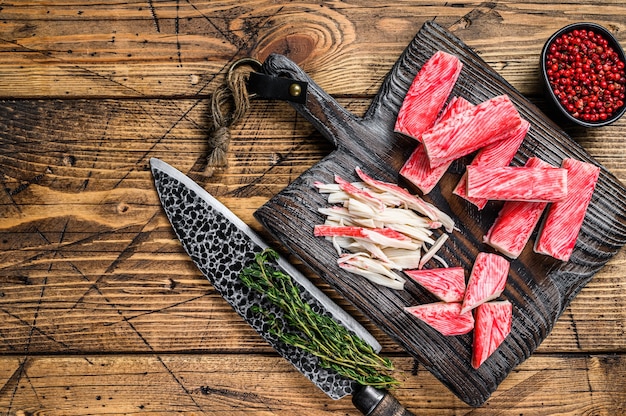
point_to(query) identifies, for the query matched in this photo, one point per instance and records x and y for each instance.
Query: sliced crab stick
(564, 219)
(512, 183)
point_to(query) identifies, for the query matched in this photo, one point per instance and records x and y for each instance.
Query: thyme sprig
(320, 335)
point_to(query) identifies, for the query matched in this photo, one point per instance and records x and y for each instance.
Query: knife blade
(220, 244)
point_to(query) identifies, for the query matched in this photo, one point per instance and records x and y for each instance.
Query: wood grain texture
(172, 48)
(268, 385)
(90, 271)
(79, 206)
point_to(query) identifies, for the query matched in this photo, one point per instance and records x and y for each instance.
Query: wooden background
(101, 310)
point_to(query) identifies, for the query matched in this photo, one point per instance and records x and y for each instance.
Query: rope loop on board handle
(231, 102)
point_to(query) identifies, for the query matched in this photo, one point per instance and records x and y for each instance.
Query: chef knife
(221, 245)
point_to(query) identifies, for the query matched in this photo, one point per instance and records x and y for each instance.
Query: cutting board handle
(360, 136)
(329, 117)
(374, 402)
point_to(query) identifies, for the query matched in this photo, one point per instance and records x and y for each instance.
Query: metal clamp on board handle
(277, 88)
(260, 85)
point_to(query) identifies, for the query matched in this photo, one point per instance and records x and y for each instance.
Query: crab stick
(427, 94)
(516, 221)
(417, 168)
(562, 224)
(500, 153)
(447, 283)
(487, 280)
(492, 325)
(513, 183)
(470, 130)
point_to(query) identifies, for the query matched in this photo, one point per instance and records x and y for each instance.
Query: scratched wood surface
(101, 310)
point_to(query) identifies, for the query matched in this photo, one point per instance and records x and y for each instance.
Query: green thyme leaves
(320, 335)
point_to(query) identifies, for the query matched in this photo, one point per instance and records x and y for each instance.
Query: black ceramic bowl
(550, 93)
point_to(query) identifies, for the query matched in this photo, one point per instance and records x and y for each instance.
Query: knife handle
(374, 402)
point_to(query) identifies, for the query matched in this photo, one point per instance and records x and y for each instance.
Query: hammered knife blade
(221, 245)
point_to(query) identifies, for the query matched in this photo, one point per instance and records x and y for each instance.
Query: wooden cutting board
(539, 287)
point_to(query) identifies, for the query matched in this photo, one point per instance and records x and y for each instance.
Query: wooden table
(101, 310)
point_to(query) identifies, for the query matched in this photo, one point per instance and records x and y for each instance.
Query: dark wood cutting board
(539, 287)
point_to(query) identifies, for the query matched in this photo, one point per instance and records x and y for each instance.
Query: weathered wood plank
(129, 299)
(82, 235)
(268, 385)
(76, 146)
(88, 265)
(132, 49)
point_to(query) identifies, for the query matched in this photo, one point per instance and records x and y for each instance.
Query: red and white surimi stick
(385, 237)
(359, 194)
(487, 280)
(445, 317)
(410, 200)
(470, 130)
(516, 221)
(447, 283)
(417, 168)
(492, 325)
(562, 224)
(427, 94)
(516, 183)
(500, 153)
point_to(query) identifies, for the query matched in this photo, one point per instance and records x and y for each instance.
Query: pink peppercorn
(586, 74)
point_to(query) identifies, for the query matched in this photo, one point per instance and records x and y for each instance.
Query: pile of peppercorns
(586, 75)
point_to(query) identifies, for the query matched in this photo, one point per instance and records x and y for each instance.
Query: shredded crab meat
(411, 201)
(338, 197)
(433, 249)
(341, 216)
(406, 217)
(403, 259)
(385, 237)
(419, 234)
(360, 194)
(360, 209)
(375, 271)
(377, 227)
(441, 261)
